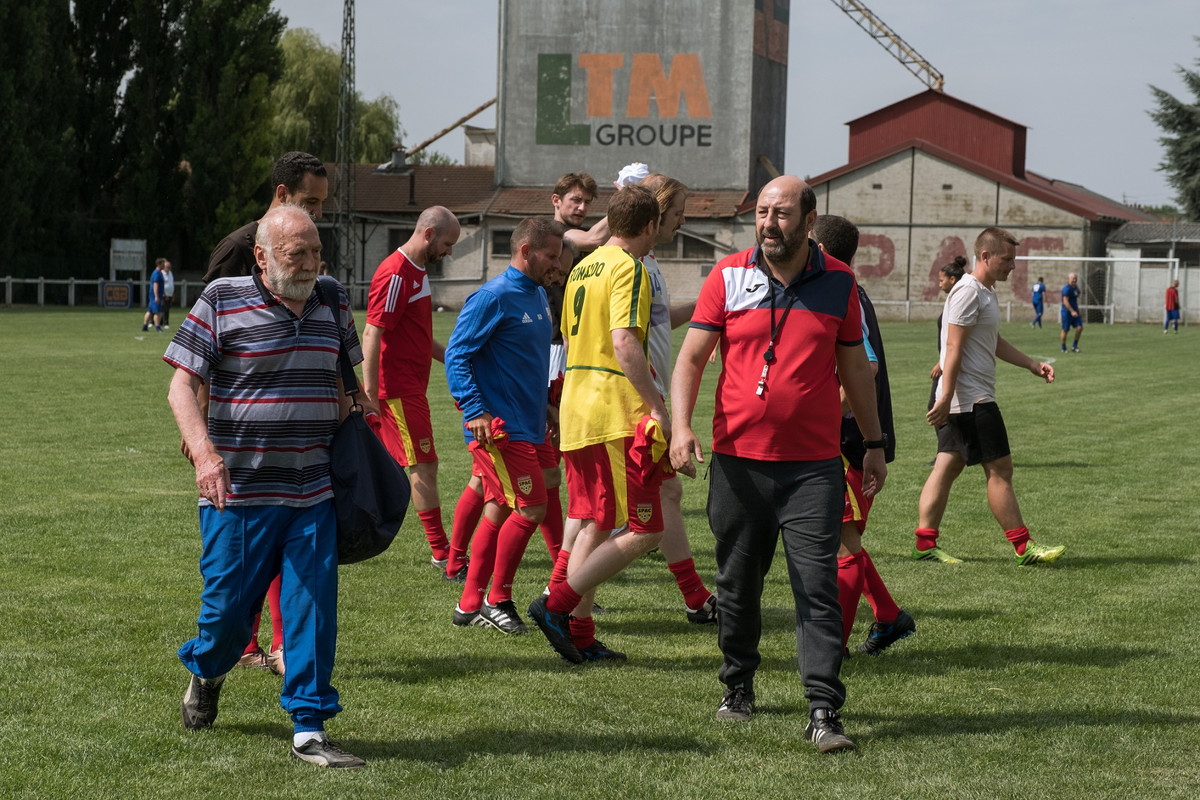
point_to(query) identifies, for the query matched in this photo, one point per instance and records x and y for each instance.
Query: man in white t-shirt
(969, 426)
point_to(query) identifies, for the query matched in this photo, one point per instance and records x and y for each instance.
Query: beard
(781, 248)
(293, 286)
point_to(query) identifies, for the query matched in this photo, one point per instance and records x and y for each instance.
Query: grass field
(1078, 680)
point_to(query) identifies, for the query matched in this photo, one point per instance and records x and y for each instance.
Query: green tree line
(157, 120)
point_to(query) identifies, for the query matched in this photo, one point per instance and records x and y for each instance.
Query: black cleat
(825, 731)
(557, 630)
(706, 614)
(598, 652)
(325, 753)
(884, 634)
(200, 702)
(503, 617)
(738, 704)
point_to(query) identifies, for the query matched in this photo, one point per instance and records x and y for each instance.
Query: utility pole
(344, 184)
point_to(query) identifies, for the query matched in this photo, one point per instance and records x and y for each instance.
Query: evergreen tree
(1180, 120)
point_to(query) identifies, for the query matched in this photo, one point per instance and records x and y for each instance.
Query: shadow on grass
(1053, 465)
(985, 656)
(909, 725)
(451, 752)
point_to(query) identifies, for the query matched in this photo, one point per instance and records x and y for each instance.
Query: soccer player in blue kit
(1069, 313)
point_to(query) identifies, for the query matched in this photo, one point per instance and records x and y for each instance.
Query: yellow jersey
(607, 290)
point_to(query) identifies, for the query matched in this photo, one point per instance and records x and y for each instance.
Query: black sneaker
(325, 753)
(200, 702)
(460, 576)
(597, 652)
(465, 619)
(556, 628)
(503, 617)
(738, 704)
(706, 614)
(825, 731)
(884, 634)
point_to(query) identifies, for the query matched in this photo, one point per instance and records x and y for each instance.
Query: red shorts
(603, 485)
(406, 430)
(857, 506)
(548, 455)
(511, 474)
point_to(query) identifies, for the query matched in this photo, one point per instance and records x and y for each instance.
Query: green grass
(1075, 680)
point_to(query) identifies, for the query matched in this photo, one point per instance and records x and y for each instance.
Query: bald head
(436, 232)
(783, 216)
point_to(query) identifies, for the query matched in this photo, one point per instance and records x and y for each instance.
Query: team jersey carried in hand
(607, 290)
(401, 304)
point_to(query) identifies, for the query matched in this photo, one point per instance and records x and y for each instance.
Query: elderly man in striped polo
(266, 346)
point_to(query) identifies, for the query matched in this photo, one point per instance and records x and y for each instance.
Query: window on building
(693, 248)
(946, 187)
(876, 186)
(502, 243)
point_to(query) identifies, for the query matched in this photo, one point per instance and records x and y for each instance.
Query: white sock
(304, 737)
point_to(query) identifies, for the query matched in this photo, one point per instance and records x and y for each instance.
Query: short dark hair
(291, 168)
(955, 268)
(573, 179)
(808, 201)
(631, 210)
(991, 239)
(158, 262)
(838, 235)
(535, 231)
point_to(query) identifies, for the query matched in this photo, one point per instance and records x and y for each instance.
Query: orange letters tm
(647, 79)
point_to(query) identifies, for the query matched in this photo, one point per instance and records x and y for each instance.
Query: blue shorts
(1068, 321)
(155, 308)
(1172, 314)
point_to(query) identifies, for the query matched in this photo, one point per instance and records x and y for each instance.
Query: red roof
(1067, 196)
(468, 191)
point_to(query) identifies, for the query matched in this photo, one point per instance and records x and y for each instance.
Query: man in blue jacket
(496, 365)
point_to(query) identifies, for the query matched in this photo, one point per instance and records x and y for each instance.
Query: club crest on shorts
(644, 512)
(425, 445)
(525, 484)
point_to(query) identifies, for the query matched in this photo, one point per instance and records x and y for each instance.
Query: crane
(891, 41)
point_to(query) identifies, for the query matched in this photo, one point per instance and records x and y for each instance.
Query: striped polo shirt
(272, 378)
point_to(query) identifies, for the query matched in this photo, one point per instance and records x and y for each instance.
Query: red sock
(559, 575)
(1019, 538)
(510, 548)
(276, 615)
(479, 571)
(882, 605)
(467, 512)
(435, 534)
(690, 586)
(850, 588)
(926, 538)
(552, 524)
(583, 631)
(252, 646)
(563, 598)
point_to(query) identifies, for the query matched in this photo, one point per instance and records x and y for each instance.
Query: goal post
(1111, 288)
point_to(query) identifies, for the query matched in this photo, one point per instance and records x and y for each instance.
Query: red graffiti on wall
(950, 247)
(881, 251)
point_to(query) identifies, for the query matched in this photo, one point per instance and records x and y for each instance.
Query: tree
(1180, 120)
(38, 93)
(305, 105)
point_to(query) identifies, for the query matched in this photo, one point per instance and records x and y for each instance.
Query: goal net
(1111, 289)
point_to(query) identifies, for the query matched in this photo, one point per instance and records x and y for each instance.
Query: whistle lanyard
(769, 353)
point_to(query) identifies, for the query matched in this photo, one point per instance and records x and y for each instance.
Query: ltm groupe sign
(647, 79)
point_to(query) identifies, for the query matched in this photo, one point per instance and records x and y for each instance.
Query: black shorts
(977, 435)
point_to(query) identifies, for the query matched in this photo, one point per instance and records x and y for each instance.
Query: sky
(1076, 73)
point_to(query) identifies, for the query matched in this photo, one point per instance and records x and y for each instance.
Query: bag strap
(349, 379)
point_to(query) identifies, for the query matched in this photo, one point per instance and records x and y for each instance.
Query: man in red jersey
(788, 322)
(398, 349)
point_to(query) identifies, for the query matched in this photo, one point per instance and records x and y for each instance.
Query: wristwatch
(877, 444)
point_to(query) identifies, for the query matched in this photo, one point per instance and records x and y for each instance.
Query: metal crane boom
(891, 41)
